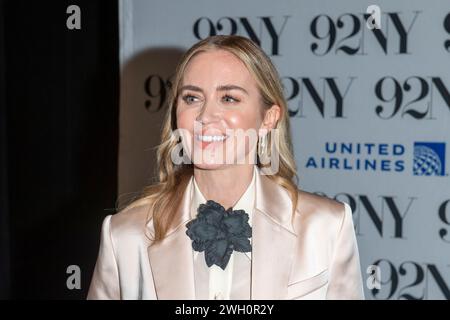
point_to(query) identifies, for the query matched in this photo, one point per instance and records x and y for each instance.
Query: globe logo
(429, 159)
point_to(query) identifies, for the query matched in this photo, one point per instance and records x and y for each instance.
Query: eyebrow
(226, 87)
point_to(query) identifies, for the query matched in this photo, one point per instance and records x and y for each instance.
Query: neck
(225, 185)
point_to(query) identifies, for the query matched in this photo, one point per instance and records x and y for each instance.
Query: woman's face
(220, 108)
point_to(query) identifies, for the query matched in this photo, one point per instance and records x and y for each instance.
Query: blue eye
(189, 99)
(228, 98)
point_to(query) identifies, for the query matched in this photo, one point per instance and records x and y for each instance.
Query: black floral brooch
(218, 232)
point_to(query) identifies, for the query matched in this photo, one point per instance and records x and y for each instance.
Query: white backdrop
(370, 113)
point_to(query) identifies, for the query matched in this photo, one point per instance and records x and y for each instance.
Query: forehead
(217, 67)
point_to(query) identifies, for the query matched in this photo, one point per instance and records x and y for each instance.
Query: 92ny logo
(410, 280)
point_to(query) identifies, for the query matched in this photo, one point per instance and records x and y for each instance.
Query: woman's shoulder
(131, 220)
(321, 218)
(320, 208)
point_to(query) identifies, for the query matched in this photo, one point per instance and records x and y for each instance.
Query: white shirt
(213, 282)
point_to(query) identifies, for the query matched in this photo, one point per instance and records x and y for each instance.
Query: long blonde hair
(165, 195)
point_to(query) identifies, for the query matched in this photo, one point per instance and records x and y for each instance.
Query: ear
(270, 120)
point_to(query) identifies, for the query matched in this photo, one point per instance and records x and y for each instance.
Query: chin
(209, 166)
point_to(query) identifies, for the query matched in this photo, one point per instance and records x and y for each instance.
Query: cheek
(185, 119)
(236, 120)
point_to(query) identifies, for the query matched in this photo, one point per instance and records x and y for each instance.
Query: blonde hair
(165, 195)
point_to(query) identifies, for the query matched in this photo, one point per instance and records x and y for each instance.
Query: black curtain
(4, 223)
(59, 92)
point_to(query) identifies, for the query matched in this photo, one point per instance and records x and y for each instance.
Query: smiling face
(218, 101)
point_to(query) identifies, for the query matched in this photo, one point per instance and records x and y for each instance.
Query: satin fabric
(235, 281)
(312, 256)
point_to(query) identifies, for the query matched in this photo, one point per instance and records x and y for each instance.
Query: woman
(226, 220)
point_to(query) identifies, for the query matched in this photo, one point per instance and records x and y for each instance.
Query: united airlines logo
(429, 159)
(418, 158)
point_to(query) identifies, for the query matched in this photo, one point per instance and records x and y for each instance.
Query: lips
(208, 137)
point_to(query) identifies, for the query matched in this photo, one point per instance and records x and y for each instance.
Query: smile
(210, 138)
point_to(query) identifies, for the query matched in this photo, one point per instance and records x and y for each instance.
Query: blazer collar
(171, 259)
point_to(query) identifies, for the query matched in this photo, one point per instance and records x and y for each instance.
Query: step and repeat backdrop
(368, 86)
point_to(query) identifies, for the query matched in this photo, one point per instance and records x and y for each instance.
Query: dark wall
(59, 145)
(4, 223)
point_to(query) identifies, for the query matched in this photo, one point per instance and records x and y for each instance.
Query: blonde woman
(226, 219)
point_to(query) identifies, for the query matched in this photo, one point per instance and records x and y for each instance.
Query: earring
(262, 146)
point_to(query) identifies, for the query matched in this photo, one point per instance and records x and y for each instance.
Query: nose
(208, 113)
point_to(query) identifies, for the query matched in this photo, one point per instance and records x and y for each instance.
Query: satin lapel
(171, 260)
(273, 240)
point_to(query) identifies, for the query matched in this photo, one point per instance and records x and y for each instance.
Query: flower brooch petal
(218, 232)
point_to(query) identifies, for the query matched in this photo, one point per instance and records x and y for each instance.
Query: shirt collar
(246, 202)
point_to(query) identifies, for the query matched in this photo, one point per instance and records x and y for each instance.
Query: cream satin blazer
(313, 257)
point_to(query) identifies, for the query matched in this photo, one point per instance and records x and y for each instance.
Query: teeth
(210, 138)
